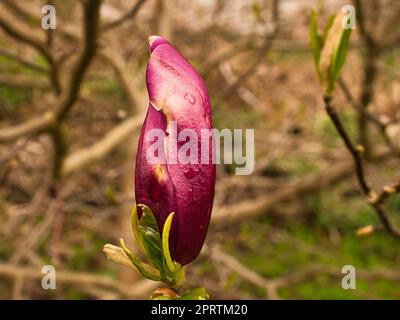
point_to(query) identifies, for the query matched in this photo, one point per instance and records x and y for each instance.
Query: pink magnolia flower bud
(179, 103)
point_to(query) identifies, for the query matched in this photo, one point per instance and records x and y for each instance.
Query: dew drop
(191, 195)
(190, 98)
(191, 173)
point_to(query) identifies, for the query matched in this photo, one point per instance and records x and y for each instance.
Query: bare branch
(88, 50)
(246, 209)
(358, 164)
(22, 61)
(128, 16)
(27, 35)
(236, 266)
(23, 81)
(31, 127)
(97, 151)
(138, 290)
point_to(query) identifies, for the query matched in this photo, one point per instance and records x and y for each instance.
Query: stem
(374, 200)
(347, 141)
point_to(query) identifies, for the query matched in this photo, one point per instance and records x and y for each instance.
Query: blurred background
(72, 101)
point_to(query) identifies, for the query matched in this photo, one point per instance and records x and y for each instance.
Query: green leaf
(339, 55)
(151, 239)
(196, 294)
(145, 269)
(333, 53)
(327, 28)
(316, 43)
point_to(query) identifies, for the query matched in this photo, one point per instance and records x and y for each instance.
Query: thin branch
(372, 199)
(273, 284)
(382, 126)
(128, 16)
(30, 37)
(355, 152)
(260, 55)
(88, 51)
(101, 148)
(30, 127)
(119, 65)
(23, 81)
(236, 266)
(15, 57)
(246, 209)
(138, 290)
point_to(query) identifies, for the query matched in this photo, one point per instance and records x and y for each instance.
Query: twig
(30, 127)
(14, 150)
(89, 155)
(235, 265)
(246, 209)
(88, 50)
(22, 61)
(382, 126)
(273, 284)
(28, 36)
(31, 240)
(355, 152)
(23, 81)
(370, 73)
(128, 16)
(372, 199)
(260, 56)
(138, 290)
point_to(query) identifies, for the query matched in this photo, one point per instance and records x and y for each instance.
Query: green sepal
(165, 242)
(135, 227)
(150, 238)
(145, 269)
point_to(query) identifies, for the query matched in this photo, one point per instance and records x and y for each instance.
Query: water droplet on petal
(190, 195)
(156, 191)
(191, 173)
(190, 98)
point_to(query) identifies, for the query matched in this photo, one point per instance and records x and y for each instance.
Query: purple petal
(176, 93)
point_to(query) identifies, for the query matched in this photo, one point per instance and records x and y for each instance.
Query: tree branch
(88, 51)
(138, 290)
(31, 127)
(128, 16)
(101, 148)
(372, 199)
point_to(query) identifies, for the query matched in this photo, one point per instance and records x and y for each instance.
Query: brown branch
(370, 73)
(88, 51)
(139, 290)
(135, 97)
(15, 57)
(355, 152)
(128, 16)
(101, 148)
(31, 127)
(23, 81)
(358, 164)
(74, 81)
(260, 55)
(246, 209)
(236, 266)
(271, 285)
(382, 126)
(30, 37)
